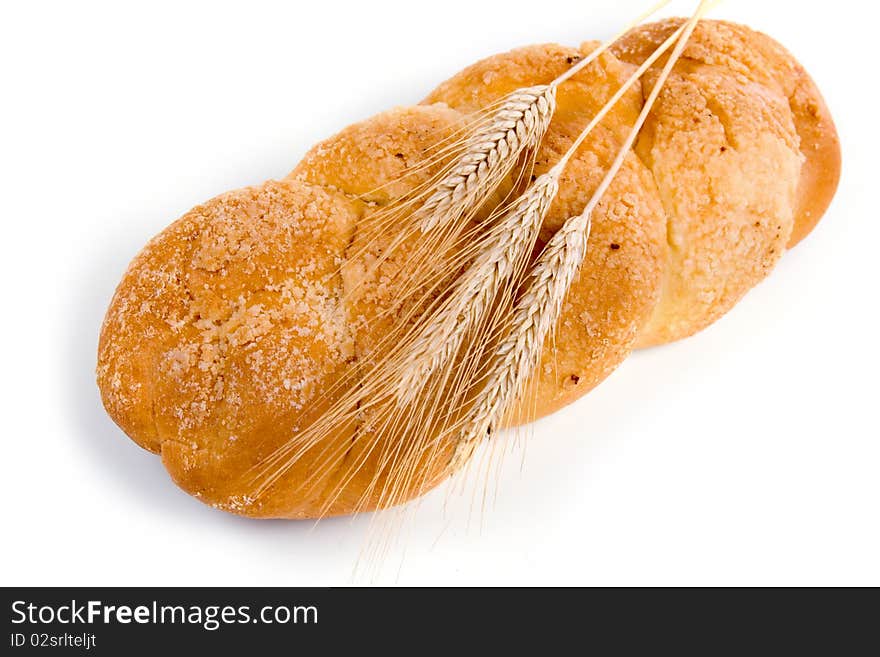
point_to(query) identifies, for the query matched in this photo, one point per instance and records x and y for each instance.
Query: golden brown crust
(734, 192)
(368, 159)
(149, 300)
(225, 327)
(752, 55)
(725, 159)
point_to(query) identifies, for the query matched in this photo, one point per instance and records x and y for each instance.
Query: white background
(746, 455)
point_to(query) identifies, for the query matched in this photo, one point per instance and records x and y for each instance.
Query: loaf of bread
(232, 326)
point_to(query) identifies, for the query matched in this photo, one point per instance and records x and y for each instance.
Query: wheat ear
(442, 337)
(490, 154)
(537, 311)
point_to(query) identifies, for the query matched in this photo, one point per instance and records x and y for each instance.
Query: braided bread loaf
(229, 328)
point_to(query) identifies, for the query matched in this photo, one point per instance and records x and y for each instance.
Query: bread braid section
(228, 330)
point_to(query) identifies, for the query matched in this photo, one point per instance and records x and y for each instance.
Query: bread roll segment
(746, 158)
(229, 330)
(224, 329)
(753, 57)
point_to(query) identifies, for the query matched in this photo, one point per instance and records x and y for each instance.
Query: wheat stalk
(537, 311)
(477, 305)
(444, 333)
